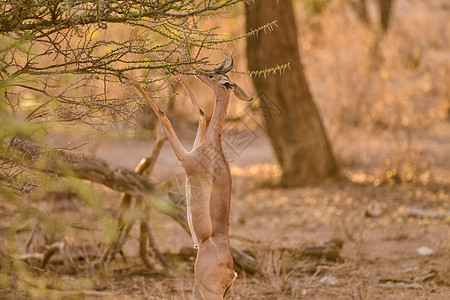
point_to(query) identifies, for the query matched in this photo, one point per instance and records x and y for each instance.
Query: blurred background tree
(384, 13)
(293, 122)
(379, 25)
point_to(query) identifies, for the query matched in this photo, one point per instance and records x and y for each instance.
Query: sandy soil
(379, 258)
(390, 131)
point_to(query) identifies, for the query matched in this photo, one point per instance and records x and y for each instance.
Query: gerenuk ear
(241, 94)
(226, 83)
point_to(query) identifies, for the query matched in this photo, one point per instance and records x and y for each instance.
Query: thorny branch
(63, 60)
(68, 51)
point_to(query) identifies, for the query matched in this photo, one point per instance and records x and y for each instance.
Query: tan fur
(209, 183)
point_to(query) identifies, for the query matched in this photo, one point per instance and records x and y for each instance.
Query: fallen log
(329, 251)
(83, 166)
(88, 167)
(420, 213)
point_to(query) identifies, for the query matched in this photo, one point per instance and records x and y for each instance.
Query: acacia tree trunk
(385, 13)
(384, 8)
(295, 129)
(361, 9)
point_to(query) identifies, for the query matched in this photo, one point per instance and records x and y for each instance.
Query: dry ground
(379, 259)
(391, 133)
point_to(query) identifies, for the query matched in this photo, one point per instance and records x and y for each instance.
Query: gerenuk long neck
(214, 131)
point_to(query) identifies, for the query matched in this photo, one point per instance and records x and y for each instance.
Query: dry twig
(124, 227)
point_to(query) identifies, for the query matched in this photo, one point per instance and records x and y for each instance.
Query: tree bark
(293, 123)
(385, 13)
(361, 9)
(384, 9)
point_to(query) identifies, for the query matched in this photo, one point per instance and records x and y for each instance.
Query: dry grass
(390, 130)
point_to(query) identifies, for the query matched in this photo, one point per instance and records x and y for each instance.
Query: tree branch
(123, 180)
(84, 166)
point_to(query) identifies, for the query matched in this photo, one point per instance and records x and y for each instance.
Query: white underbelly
(189, 213)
